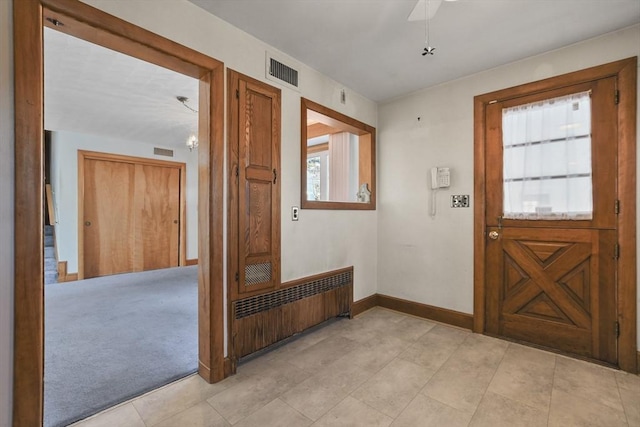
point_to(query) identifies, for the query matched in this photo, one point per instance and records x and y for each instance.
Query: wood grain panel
(108, 218)
(254, 193)
(158, 217)
(258, 237)
(28, 350)
(131, 214)
(260, 330)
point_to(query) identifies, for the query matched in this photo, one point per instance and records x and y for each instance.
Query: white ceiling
(370, 47)
(93, 90)
(367, 45)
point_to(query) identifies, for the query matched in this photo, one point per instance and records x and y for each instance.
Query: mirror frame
(352, 125)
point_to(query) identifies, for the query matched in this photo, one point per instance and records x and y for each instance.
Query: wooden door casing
(254, 186)
(88, 23)
(130, 214)
(612, 227)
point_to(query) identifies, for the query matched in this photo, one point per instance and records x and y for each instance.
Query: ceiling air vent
(281, 73)
(162, 152)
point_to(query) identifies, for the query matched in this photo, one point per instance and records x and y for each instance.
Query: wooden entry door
(551, 277)
(130, 214)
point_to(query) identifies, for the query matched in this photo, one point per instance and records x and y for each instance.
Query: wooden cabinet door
(254, 219)
(552, 282)
(108, 222)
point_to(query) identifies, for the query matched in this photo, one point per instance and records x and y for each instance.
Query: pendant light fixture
(428, 50)
(192, 140)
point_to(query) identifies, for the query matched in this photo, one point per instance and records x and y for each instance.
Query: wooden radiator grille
(262, 320)
(248, 306)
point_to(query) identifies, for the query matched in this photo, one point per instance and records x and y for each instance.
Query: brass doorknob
(493, 235)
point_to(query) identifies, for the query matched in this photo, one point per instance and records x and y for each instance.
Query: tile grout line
(624, 409)
(475, 411)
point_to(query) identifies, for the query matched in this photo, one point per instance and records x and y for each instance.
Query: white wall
(320, 240)
(64, 182)
(6, 212)
(431, 260)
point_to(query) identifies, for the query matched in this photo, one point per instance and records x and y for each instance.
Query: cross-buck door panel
(254, 207)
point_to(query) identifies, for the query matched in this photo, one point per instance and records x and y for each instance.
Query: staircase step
(48, 241)
(48, 230)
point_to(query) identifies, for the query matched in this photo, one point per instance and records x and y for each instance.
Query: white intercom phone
(440, 178)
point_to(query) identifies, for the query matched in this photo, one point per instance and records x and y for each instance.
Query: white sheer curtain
(339, 160)
(547, 159)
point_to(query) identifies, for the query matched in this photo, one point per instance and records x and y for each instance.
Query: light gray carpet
(109, 339)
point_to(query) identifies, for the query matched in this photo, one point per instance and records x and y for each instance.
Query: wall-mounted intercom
(440, 178)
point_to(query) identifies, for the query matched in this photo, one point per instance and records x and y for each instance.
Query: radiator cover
(265, 319)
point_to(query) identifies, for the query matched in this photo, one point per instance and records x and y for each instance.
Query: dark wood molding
(193, 261)
(64, 275)
(443, 315)
(626, 72)
(314, 277)
(28, 335)
(229, 367)
(364, 304)
(91, 24)
(627, 263)
(340, 122)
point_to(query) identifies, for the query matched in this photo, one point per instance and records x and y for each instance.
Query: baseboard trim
(205, 372)
(63, 276)
(193, 261)
(430, 312)
(364, 304)
(229, 368)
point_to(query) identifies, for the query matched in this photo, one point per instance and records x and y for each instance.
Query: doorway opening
(85, 22)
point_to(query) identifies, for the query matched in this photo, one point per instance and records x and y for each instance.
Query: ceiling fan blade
(418, 12)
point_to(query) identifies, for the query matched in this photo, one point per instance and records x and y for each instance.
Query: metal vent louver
(259, 303)
(162, 152)
(283, 72)
(276, 70)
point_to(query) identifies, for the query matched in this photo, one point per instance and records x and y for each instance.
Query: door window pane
(547, 159)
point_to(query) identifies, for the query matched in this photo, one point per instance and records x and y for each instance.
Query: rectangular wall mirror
(338, 160)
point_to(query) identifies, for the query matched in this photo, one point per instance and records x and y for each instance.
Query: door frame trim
(94, 25)
(84, 155)
(626, 72)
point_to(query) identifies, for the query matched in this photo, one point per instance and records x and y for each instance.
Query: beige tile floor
(384, 368)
